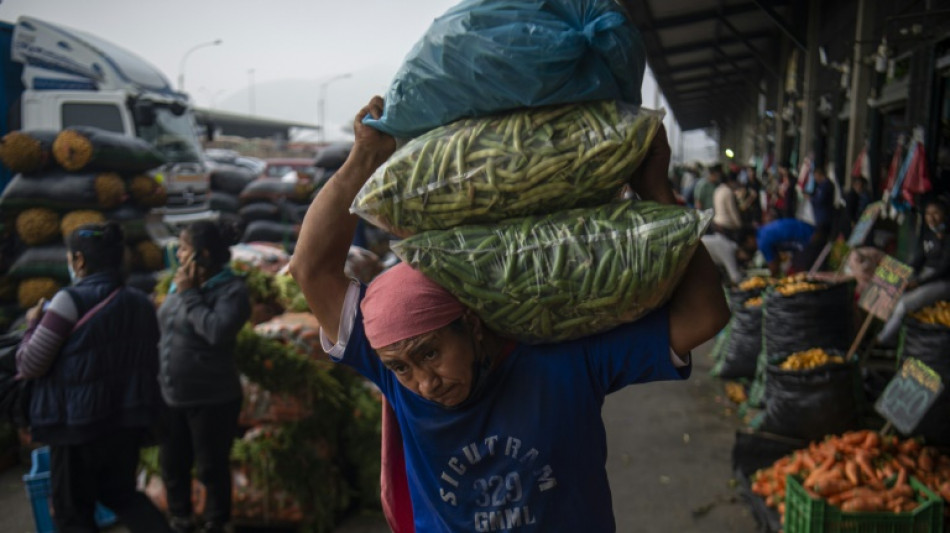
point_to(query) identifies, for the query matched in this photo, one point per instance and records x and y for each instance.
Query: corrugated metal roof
(709, 56)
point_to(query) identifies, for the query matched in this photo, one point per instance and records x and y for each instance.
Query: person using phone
(200, 318)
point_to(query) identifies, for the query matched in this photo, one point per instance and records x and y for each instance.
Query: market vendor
(931, 263)
(785, 235)
(497, 435)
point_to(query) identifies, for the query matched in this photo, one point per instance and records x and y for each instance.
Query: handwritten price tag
(909, 395)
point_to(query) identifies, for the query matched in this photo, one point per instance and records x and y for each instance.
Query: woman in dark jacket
(92, 354)
(205, 309)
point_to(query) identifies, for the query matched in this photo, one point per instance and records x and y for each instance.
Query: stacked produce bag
(738, 352)
(515, 213)
(926, 337)
(272, 210)
(66, 179)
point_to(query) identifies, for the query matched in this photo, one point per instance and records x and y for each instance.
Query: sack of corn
(566, 275)
(84, 148)
(38, 225)
(528, 162)
(64, 192)
(28, 151)
(147, 192)
(80, 217)
(31, 290)
(147, 256)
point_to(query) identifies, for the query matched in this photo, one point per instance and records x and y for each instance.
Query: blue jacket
(106, 375)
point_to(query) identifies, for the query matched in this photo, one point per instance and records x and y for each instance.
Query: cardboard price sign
(909, 395)
(887, 285)
(862, 228)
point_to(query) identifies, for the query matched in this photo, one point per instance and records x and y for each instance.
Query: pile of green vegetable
(566, 275)
(480, 170)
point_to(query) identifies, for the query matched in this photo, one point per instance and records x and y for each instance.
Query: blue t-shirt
(528, 453)
(782, 235)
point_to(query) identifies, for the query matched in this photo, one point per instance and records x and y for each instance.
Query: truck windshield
(173, 135)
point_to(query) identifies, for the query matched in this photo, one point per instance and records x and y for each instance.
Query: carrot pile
(859, 471)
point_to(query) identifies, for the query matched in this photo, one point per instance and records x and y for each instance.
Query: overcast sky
(274, 55)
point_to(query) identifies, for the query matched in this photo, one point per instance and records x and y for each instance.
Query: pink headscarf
(402, 303)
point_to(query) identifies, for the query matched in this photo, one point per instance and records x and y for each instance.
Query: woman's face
(437, 366)
(185, 248)
(934, 216)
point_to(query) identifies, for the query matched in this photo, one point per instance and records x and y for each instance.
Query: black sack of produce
(41, 262)
(132, 220)
(87, 148)
(274, 190)
(810, 404)
(224, 201)
(14, 393)
(807, 319)
(261, 211)
(230, 179)
(930, 344)
(143, 281)
(332, 157)
(64, 191)
(745, 343)
(269, 231)
(28, 151)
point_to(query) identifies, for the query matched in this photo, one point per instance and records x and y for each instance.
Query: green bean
(533, 278)
(494, 165)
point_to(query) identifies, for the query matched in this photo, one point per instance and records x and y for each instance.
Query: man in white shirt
(729, 255)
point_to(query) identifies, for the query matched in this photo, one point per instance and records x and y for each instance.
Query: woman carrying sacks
(93, 357)
(496, 434)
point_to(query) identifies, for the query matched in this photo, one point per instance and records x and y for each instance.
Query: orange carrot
(901, 478)
(871, 440)
(851, 472)
(828, 487)
(906, 461)
(853, 438)
(925, 462)
(909, 446)
(865, 464)
(945, 490)
(864, 503)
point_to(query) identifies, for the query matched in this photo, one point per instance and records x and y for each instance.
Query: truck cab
(71, 78)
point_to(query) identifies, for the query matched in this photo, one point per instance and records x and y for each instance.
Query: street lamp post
(321, 103)
(181, 67)
(250, 89)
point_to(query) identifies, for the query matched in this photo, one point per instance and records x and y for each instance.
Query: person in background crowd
(728, 255)
(748, 195)
(786, 200)
(785, 235)
(823, 201)
(857, 199)
(726, 218)
(527, 417)
(931, 263)
(705, 189)
(688, 185)
(93, 357)
(206, 307)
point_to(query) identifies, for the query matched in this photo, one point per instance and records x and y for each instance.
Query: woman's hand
(371, 146)
(36, 311)
(186, 276)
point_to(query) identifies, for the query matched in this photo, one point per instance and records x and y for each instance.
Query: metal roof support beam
(697, 17)
(703, 45)
(672, 69)
(755, 51)
(782, 24)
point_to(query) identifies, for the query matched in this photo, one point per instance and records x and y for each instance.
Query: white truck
(55, 77)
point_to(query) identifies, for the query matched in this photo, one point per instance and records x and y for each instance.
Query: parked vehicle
(54, 77)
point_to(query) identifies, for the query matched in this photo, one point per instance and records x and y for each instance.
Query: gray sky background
(292, 46)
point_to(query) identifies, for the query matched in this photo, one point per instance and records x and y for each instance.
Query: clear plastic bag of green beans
(537, 160)
(562, 276)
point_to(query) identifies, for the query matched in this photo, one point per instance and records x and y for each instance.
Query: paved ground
(669, 464)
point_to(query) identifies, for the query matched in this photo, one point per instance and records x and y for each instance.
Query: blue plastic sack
(487, 56)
